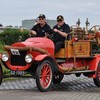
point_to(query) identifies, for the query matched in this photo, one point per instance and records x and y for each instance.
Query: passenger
(41, 28)
(61, 31)
(36, 22)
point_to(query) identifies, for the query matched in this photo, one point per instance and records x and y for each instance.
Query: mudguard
(93, 64)
(41, 57)
(44, 56)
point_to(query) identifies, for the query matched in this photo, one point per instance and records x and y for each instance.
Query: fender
(93, 64)
(41, 57)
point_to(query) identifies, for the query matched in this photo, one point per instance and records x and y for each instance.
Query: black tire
(57, 78)
(43, 79)
(97, 79)
(1, 73)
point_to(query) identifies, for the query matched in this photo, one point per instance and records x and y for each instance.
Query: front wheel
(1, 74)
(44, 74)
(97, 79)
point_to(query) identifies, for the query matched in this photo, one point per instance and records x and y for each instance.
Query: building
(28, 24)
(10, 27)
(1, 29)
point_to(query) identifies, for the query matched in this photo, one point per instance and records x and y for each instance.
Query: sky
(12, 12)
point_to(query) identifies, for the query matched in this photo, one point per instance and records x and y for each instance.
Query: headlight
(5, 57)
(28, 58)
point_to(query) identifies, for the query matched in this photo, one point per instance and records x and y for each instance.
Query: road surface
(71, 88)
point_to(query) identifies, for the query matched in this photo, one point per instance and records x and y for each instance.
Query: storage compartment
(77, 49)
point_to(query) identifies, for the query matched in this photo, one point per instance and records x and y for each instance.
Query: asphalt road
(71, 88)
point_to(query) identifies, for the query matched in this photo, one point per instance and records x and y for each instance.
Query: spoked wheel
(44, 76)
(0, 74)
(57, 78)
(97, 79)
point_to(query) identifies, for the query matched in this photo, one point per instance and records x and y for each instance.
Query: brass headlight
(5, 57)
(28, 58)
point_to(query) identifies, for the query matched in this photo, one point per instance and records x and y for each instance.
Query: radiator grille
(18, 59)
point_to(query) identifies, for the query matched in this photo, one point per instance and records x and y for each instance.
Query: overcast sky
(12, 12)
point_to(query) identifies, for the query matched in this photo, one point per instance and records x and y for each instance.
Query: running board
(61, 60)
(76, 72)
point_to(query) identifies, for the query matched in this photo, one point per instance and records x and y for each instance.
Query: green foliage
(1, 46)
(10, 36)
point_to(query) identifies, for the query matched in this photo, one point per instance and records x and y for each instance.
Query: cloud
(14, 11)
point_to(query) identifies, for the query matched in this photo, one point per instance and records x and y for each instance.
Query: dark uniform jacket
(64, 28)
(41, 30)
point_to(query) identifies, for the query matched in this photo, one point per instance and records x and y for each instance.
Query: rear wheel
(57, 78)
(97, 79)
(44, 75)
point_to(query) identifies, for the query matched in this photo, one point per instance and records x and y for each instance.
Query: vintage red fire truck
(81, 55)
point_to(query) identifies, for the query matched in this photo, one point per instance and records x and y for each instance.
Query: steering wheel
(94, 32)
(95, 29)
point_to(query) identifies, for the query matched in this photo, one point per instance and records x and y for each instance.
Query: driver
(61, 31)
(41, 28)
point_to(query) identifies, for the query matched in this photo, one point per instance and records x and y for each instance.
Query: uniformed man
(41, 28)
(61, 31)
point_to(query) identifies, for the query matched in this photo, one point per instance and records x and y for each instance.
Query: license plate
(21, 73)
(15, 52)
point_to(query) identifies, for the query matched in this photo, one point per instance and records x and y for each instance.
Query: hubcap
(45, 76)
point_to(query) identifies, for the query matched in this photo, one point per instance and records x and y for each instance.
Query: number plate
(21, 73)
(15, 52)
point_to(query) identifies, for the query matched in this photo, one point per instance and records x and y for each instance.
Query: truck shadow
(76, 85)
(69, 83)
